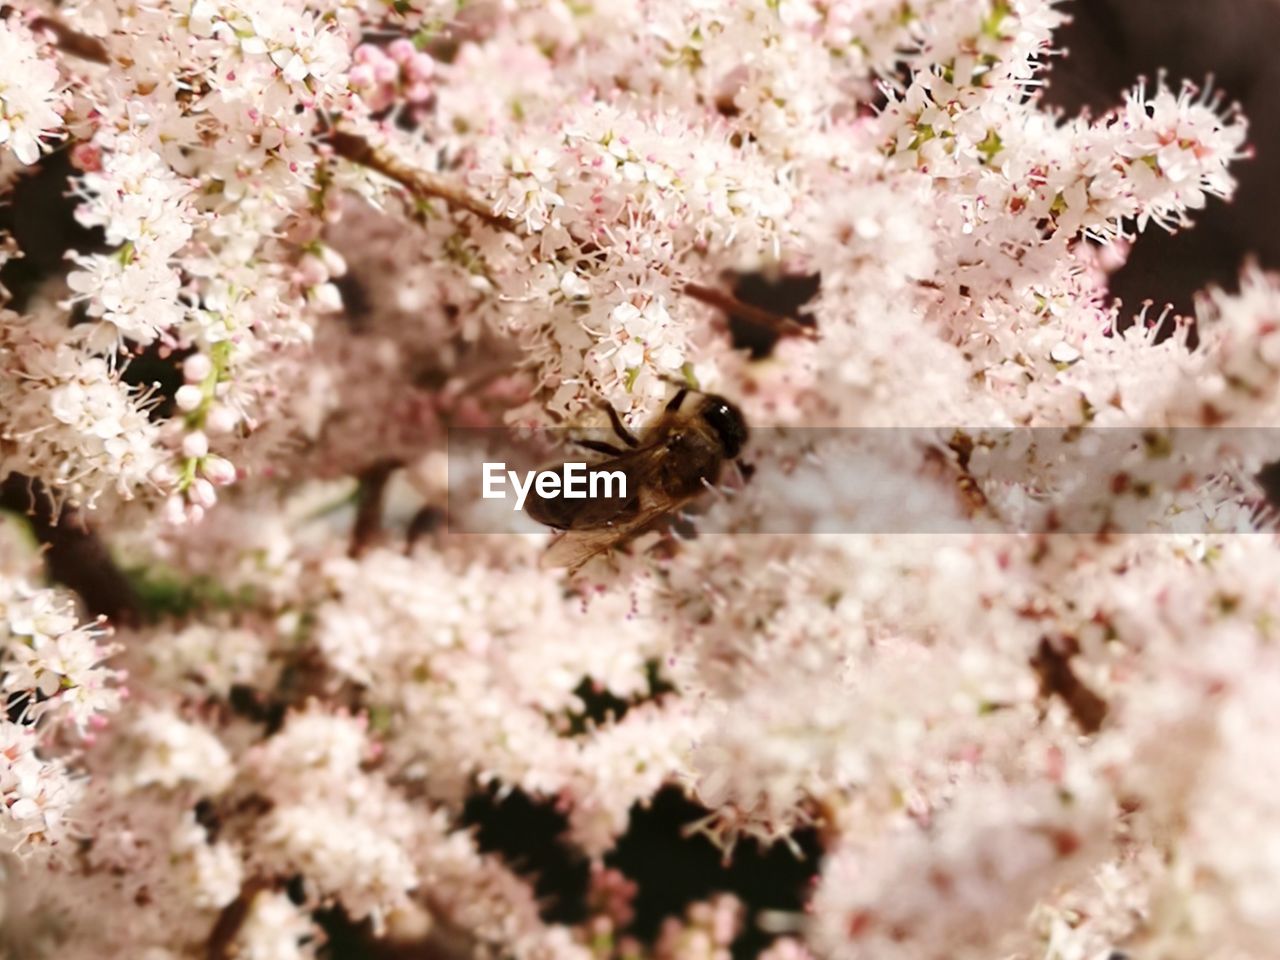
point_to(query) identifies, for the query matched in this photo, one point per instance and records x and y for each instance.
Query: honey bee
(676, 458)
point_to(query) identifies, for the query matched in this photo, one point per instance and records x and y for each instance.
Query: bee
(675, 459)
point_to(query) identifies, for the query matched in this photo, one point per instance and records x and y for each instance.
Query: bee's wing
(573, 548)
(561, 513)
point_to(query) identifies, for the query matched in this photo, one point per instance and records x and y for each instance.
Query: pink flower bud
(311, 270)
(163, 475)
(220, 420)
(361, 76)
(202, 493)
(327, 298)
(401, 50)
(379, 99)
(175, 510)
(334, 262)
(188, 397)
(386, 71)
(87, 157)
(421, 67)
(417, 92)
(333, 207)
(195, 444)
(366, 53)
(219, 471)
(196, 367)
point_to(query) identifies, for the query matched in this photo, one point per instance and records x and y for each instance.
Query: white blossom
(171, 753)
(29, 94)
(328, 238)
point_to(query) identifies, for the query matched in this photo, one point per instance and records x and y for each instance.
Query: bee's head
(726, 420)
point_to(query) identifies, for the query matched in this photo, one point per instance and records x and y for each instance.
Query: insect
(676, 458)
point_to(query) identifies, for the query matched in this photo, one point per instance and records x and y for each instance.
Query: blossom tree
(325, 233)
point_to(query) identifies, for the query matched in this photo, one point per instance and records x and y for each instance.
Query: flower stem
(71, 41)
(421, 183)
(779, 323)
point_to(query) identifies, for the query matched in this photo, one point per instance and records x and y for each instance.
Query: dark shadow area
(526, 833)
(40, 215)
(1111, 43)
(673, 870)
(785, 296)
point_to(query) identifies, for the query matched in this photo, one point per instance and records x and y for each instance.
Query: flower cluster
(30, 88)
(68, 419)
(57, 688)
(383, 78)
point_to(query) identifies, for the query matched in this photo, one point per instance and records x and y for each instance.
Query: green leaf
(426, 34)
(995, 19)
(924, 133)
(188, 475)
(163, 594)
(990, 146)
(689, 377)
(380, 719)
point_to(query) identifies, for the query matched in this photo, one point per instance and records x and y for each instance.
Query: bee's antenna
(677, 399)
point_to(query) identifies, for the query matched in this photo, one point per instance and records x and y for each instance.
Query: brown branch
(74, 555)
(778, 323)
(73, 42)
(231, 919)
(432, 185)
(1052, 664)
(425, 522)
(370, 499)
(421, 183)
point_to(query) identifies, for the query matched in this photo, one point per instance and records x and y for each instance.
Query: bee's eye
(725, 419)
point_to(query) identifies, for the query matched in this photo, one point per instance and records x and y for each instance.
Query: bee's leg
(675, 401)
(619, 428)
(719, 492)
(745, 471)
(682, 526)
(599, 446)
